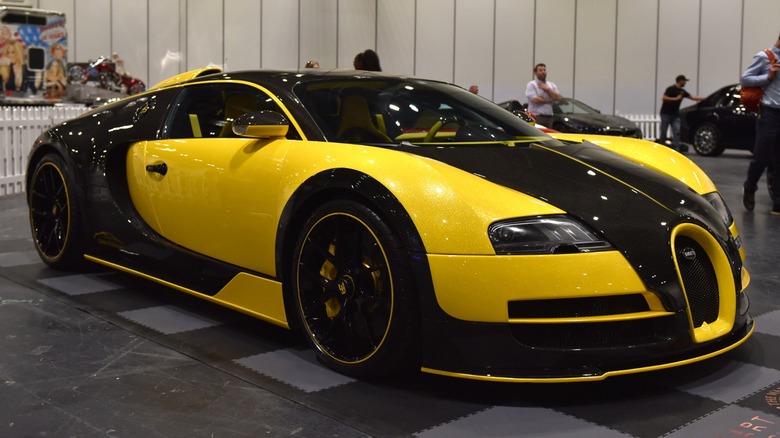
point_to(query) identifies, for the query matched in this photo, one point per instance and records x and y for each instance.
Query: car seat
(356, 125)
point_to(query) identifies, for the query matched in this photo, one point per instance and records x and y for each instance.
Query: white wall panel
(711, 41)
(594, 68)
(678, 45)
(395, 35)
(356, 30)
(636, 59)
(92, 30)
(514, 49)
(129, 30)
(279, 34)
(435, 30)
(166, 57)
(760, 28)
(319, 33)
(555, 27)
(205, 34)
(719, 50)
(242, 34)
(474, 33)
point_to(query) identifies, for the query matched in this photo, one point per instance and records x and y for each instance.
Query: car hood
(632, 206)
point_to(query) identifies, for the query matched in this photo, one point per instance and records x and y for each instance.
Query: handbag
(751, 96)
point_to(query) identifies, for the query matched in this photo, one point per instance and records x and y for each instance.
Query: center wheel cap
(346, 285)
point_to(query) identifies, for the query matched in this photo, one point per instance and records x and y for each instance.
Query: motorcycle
(103, 73)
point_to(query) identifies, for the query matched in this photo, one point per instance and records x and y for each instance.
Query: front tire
(706, 140)
(54, 221)
(354, 293)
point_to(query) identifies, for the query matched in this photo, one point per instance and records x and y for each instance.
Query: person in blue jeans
(670, 110)
(766, 150)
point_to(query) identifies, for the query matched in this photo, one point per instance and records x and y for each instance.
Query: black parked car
(718, 122)
(572, 115)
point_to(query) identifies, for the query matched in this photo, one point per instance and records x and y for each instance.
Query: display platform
(102, 353)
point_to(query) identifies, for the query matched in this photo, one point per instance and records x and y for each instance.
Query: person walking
(670, 111)
(766, 150)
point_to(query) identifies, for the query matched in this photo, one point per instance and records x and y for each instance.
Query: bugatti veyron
(399, 224)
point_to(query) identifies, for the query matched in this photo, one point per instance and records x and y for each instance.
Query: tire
(54, 220)
(354, 293)
(706, 140)
(77, 74)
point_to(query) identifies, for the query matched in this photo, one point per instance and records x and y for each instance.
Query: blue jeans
(766, 151)
(672, 120)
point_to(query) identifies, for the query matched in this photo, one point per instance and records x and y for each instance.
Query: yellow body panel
(214, 204)
(442, 200)
(187, 76)
(477, 288)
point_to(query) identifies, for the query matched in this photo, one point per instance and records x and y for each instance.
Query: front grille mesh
(699, 280)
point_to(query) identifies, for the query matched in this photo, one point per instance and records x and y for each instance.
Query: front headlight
(544, 235)
(716, 201)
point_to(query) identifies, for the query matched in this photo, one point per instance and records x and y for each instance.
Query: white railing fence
(19, 127)
(650, 124)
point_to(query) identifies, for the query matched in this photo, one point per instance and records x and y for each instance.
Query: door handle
(160, 168)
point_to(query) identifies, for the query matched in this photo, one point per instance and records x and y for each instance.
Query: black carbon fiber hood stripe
(635, 208)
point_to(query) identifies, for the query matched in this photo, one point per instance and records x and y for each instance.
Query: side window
(208, 110)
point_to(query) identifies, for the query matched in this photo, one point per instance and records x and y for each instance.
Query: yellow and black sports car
(399, 224)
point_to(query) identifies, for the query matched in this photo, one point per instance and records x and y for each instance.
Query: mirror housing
(261, 124)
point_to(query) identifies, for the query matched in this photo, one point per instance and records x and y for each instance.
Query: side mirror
(261, 124)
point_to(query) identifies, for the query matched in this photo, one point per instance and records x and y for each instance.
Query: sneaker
(749, 200)
(776, 210)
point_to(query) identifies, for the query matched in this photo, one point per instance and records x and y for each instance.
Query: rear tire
(54, 220)
(706, 140)
(354, 294)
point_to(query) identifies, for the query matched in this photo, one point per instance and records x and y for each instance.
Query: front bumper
(559, 318)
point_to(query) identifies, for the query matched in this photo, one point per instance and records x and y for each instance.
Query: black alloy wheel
(53, 219)
(706, 140)
(353, 292)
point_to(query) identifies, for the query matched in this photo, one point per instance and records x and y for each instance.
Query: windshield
(571, 106)
(389, 110)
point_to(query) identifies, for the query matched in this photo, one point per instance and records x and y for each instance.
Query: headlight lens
(718, 204)
(544, 235)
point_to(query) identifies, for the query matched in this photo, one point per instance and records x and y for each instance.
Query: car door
(206, 189)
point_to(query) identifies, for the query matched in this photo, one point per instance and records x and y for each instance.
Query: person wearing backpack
(763, 72)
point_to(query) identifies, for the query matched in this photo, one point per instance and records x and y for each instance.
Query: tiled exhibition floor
(105, 354)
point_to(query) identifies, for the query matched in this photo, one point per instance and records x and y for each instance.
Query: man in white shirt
(541, 93)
